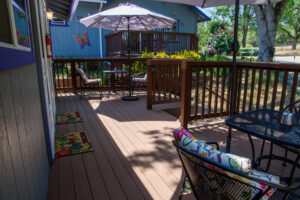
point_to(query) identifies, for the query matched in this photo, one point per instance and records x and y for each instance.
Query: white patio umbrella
(235, 44)
(128, 17)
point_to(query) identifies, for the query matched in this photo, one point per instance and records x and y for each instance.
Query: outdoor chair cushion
(90, 81)
(185, 139)
(188, 142)
(143, 80)
(82, 74)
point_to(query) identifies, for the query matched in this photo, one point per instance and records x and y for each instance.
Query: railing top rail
(132, 59)
(280, 66)
(156, 32)
(193, 63)
(163, 61)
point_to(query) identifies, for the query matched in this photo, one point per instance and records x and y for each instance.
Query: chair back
(293, 107)
(82, 74)
(210, 181)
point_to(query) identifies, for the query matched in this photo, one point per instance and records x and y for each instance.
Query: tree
(290, 22)
(246, 18)
(267, 19)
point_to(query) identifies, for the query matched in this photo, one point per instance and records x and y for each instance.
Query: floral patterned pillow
(185, 139)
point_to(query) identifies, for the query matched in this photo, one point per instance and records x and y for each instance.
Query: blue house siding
(65, 45)
(63, 42)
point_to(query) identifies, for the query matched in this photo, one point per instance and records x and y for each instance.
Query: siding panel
(22, 138)
(13, 137)
(7, 175)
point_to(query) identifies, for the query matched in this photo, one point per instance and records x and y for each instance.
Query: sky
(207, 11)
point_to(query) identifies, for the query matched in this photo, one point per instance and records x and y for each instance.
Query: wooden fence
(205, 87)
(66, 79)
(152, 41)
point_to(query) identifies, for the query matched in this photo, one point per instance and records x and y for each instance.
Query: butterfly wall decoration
(83, 40)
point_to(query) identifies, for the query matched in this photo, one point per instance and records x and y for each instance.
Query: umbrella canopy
(124, 15)
(215, 3)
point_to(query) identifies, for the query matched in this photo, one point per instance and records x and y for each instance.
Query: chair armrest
(139, 75)
(215, 143)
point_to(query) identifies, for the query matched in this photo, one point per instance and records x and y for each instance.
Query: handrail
(66, 79)
(205, 86)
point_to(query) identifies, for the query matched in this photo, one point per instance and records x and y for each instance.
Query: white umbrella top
(215, 3)
(119, 17)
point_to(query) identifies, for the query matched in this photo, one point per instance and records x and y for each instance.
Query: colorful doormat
(68, 117)
(72, 143)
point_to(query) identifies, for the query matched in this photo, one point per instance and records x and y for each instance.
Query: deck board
(134, 157)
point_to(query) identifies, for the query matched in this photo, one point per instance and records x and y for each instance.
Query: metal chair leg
(285, 156)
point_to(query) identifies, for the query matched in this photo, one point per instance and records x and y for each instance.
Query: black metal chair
(85, 81)
(139, 79)
(210, 180)
(293, 108)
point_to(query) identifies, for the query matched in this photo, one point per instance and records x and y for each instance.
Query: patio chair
(139, 79)
(211, 179)
(85, 81)
(293, 108)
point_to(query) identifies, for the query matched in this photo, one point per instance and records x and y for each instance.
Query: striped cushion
(188, 142)
(82, 74)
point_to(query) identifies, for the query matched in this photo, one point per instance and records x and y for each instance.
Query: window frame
(61, 25)
(13, 55)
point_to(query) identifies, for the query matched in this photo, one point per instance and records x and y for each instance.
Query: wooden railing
(205, 87)
(66, 79)
(163, 82)
(152, 41)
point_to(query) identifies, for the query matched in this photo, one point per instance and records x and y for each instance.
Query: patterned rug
(68, 117)
(72, 143)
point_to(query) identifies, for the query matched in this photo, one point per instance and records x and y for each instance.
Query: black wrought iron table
(265, 124)
(112, 81)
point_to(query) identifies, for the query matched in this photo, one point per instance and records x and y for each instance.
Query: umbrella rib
(159, 20)
(119, 23)
(95, 22)
(203, 3)
(142, 23)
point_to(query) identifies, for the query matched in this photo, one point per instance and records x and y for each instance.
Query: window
(15, 35)
(21, 22)
(14, 24)
(5, 31)
(58, 22)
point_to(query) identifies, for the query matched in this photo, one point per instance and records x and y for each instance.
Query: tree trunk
(294, 45)
(267, 19)
(244, 40)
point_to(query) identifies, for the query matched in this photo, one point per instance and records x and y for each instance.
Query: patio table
(265, 124)
(112, 81)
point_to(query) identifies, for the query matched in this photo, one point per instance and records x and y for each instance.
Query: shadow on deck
(134, 157)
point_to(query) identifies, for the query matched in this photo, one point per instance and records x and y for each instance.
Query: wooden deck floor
(133, 157)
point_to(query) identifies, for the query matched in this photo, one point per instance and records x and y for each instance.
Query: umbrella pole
(129, 97)
(235, 49)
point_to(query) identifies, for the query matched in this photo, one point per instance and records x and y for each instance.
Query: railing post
(73, 75)
(194, 42)
(159, 41)
(149, 85)
(185, 94)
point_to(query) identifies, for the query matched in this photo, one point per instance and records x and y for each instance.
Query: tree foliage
(246, 19)
(220, 42)
(290, 22)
